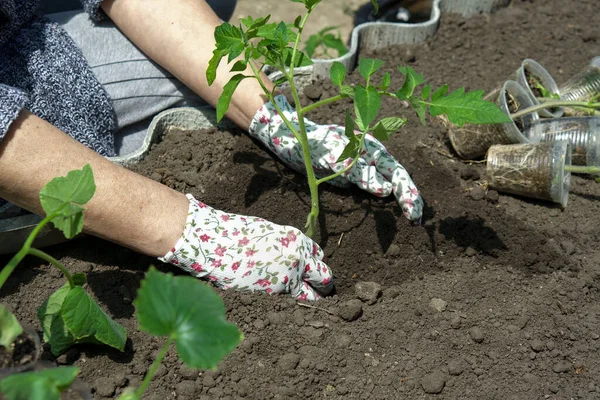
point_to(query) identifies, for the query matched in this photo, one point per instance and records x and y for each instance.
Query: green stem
(554, 104)
(577, 169)
(320, 103)
(354, 161)
(47, 257)
(297, 42)
(17, 258)
(153, 368)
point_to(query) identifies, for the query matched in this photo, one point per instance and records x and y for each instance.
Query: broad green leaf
(228, 36)
(85, 319)
(468, 108)
(337, 73)
(387, 126)
(213, 64)
(225, 98)
(349, 126)
(10, 327)
(442, 90)
(385, 81)
(426, 92)
(46, 384)
(366, 105)
(368, 66)
(66, 195)
(353, 145)
(190, 312)
(411, 81)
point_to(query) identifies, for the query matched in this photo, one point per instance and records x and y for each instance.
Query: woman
(98, 80)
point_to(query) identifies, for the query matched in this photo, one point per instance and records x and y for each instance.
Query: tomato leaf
(337, 73)
(387, 126)
(367, 102)
(46, 384)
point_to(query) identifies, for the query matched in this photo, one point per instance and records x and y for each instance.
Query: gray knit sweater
(43, 71)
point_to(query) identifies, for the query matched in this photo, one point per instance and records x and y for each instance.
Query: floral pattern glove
(249, 253)
(376, 171)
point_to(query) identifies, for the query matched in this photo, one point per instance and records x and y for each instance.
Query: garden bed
(494, 297)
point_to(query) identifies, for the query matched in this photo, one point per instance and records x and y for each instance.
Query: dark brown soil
(494, 297)
(23, 351)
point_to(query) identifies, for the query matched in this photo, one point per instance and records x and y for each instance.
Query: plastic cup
(584, 85)
(531, 70)
(473, 141)
(535, 170)
(582, 132)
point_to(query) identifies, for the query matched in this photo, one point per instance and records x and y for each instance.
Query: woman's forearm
(179, 35)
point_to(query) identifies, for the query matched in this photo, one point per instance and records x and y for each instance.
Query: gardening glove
(376, 171)
(249, 253)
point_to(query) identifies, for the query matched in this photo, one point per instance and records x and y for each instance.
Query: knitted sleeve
(12, 101)
(13, 14)
(92, 7)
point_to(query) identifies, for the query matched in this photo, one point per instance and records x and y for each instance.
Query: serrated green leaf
(349, 126)
(228, 36)
(442, 90)
(10, 327)
(225, 98)
(46, 384)
(213, 64)
(366, 105)
(347, 91)
(387, 126)
(191, 313)
(336, 43)
(426, 92)
(368, 66)
(301, 59)
(85, 319)
(240, 65)
(468, 108)
(411, 81)
(385, 81)
(337, 73)
(66, 195)
(353, 145)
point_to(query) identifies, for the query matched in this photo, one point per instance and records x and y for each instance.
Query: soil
(493, 297)
(23, 351)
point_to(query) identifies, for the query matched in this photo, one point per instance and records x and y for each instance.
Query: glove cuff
(182, 254)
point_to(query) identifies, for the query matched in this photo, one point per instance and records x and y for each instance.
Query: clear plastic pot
(582, 132)
(535, 170)
(531, 71)
(583, 86)
(473, 141)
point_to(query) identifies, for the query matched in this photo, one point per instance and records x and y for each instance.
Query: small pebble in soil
(476, 334)
(393, 250)
(186, 389)
(368, 292)
(455, 322)
(105, 386)
(288, 362)
(438, 305)
(492, 196)
(350, 310)
(554, 388)
(537, 345)
(313, 92)
(561, 367)
(456, 367)
(477, 193)
(392, 292)
(470, 252)
(434, 383)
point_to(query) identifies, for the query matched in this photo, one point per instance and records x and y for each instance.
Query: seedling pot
(469, 8)
(473, 141)
(530, 70)
(583, 86)
(23, 355)
(535, 170)
(582, 132)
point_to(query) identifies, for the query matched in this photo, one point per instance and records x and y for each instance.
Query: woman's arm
(179, 35)
(127, 208)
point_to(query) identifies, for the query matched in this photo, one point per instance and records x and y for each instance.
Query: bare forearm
(127, 208)
(179, 35)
